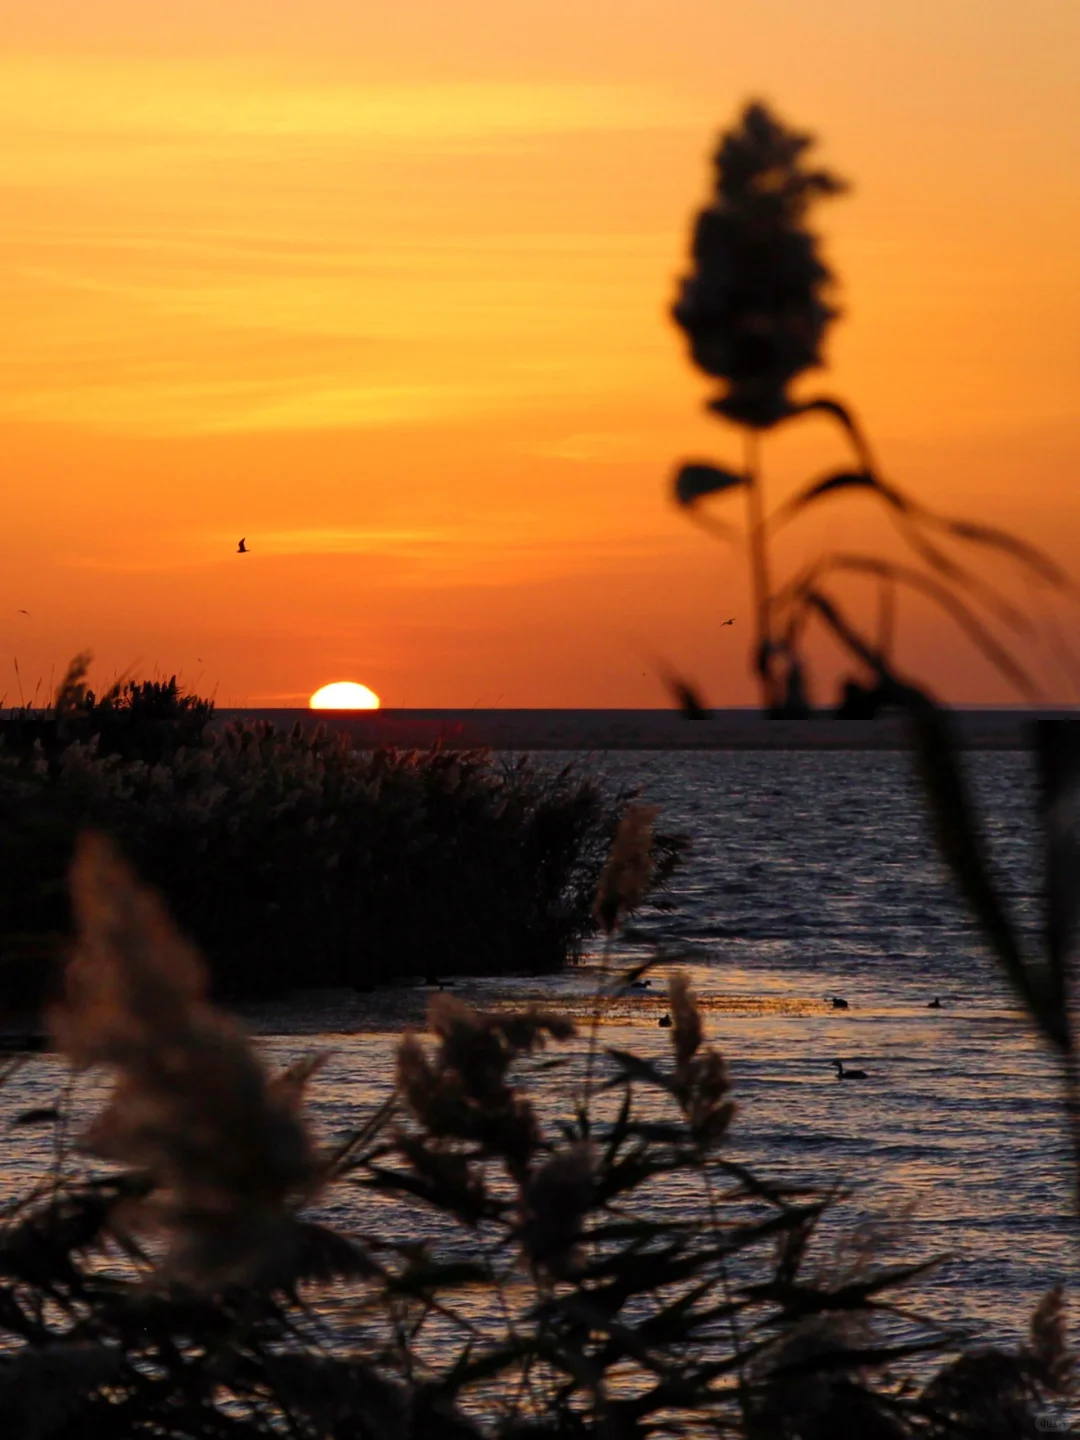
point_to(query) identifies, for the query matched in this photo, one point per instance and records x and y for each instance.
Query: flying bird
(728, 622)
(26, 613)
(242, 549)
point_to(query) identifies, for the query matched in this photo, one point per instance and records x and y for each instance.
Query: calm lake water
(812, 874)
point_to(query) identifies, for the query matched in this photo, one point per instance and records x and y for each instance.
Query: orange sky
(383, 287)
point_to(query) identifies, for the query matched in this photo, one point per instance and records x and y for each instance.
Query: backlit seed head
(754, 306)
(628, 872)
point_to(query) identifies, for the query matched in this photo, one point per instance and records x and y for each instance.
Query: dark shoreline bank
(642, 729)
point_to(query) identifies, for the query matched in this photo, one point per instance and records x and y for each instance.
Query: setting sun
(344, 695)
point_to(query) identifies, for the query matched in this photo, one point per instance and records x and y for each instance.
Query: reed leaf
(696, 479)
(961, 846)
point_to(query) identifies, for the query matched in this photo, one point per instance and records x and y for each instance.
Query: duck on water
(842, 1074)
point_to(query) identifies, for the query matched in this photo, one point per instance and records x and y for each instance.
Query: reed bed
(291, 859)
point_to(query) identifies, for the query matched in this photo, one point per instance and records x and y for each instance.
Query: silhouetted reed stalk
(755, 308)
(624, 883)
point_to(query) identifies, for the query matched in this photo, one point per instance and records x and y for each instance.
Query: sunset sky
(383, 286)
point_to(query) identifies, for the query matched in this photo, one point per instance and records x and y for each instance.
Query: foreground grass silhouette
(182, 1292)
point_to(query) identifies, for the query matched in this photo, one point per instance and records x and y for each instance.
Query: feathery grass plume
(702, 1084)
(687, 1032)
(465, 1093)
(625, 879)
(554, 1204)
(1050, 1343)
(191, 1104)
(71, 692)
(754, 307)
(289, 1086)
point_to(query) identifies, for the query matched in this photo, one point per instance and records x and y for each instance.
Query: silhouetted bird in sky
(242, 549)
(26, 613)
(728, 622)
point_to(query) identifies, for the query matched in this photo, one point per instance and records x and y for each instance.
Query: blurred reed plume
(702, 1086)
(755, 308)
(71, 692)
(628, 871)
(466, 1096)
(225, 1150)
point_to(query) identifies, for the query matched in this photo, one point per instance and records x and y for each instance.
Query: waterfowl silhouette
(838, 1003)
(666, 1022)
(640, 985)
(935, 1003)
(842, 1074)
(242, 549)
(441, 984)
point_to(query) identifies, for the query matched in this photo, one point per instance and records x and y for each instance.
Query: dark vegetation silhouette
(290, 859)
(755, 309)
(185, 1290)
(144, 720)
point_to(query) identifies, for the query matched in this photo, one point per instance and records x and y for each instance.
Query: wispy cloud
(215, 246)
(606, 447)
(503, 554)
(154, 408)
(91, 96)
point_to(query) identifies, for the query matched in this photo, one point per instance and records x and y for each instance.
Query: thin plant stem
(1072, 1114)
(594, 1026)
(733, 1324)
(759, 564)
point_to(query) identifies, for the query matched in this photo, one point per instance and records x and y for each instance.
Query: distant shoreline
(988, 729)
